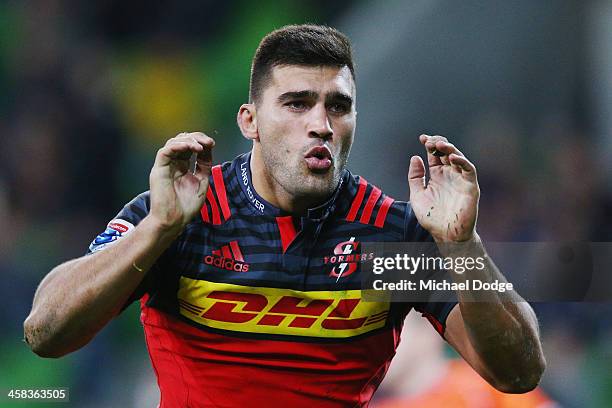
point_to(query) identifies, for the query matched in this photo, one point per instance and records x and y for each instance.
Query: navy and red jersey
(252, 306)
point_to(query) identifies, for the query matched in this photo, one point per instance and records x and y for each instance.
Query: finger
(447, 148)
(442, 149)
(181, 137)
(205, 141)
(197, 137)
(456, 168)
(199, 141)
(416, 175)
(177, 148)
(467, 168)
(174, 150)
(442, 155)
(433, 157)
(424, 138)
(203, 161)
(183, 143)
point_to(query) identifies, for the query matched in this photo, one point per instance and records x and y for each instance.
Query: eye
(339, 108)
(296, 105)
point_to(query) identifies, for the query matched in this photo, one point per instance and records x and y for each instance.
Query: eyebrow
(340, 97)
(297, 95)
(334, 96)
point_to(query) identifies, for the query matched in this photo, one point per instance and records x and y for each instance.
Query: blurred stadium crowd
(92, 89)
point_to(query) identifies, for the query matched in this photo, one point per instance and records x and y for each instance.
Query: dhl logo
(329, 314)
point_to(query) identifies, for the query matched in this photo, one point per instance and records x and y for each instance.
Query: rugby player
(248, 272)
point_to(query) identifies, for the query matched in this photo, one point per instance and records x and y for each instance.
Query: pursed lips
(319, 158)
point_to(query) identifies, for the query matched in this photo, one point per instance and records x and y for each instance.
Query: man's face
(306, 124)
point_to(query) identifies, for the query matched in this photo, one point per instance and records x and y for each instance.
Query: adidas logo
(229, 257)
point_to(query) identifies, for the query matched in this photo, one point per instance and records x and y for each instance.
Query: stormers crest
(347, 254)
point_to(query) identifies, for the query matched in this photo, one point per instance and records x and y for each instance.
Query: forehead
(321, 79)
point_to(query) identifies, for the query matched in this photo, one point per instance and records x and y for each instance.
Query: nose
(319, 124)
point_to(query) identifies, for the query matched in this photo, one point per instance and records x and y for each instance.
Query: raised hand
(447, 204)
(177, 191)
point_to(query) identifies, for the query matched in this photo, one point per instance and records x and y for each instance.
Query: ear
(247, 121)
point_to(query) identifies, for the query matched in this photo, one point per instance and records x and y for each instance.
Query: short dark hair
(304, 44)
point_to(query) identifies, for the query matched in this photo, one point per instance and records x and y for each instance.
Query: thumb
(416, 175)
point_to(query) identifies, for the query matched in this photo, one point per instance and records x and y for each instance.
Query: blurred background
(90, 90)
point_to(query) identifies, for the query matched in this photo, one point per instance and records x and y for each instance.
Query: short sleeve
(121, 225)
(437, 306)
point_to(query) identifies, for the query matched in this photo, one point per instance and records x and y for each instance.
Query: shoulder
(135, 210)
(216, 209)
(368, 204)
(123, 223)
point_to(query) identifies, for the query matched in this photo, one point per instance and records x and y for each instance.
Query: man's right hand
(177, 194)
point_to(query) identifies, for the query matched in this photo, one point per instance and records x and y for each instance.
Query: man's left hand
(446, 205)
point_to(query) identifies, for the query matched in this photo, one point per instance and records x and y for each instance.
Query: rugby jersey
(252, 306)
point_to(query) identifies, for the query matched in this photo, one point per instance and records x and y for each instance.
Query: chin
(320, 184)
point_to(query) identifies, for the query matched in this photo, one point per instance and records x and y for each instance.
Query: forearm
(501, 326)
(76, 299)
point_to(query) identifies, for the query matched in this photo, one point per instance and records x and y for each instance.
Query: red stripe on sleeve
(382, 212)
(236, 251)
(216, 219)
(287, 230)
(226, 252)
(357, 200)
(204, 212)
(221, 193)
(367, 211)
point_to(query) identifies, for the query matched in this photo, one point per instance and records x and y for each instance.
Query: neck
(270, 190)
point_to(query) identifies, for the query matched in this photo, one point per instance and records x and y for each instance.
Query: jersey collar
(261, 206)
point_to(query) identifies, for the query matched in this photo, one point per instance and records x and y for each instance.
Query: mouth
(319, 158)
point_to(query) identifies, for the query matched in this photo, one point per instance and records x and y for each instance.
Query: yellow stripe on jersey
(325, 314)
